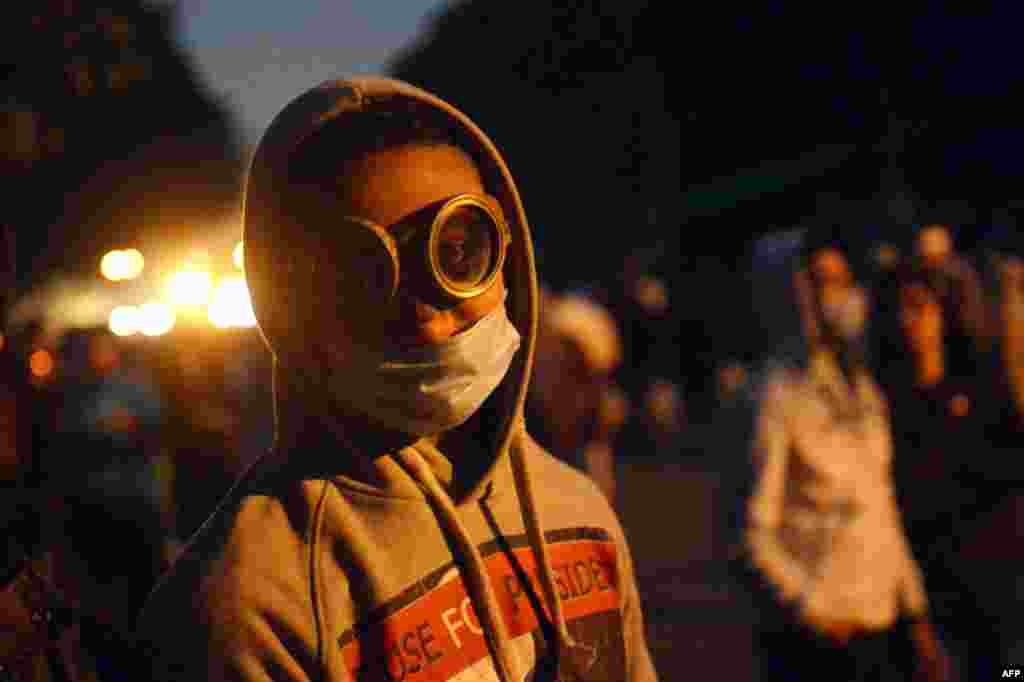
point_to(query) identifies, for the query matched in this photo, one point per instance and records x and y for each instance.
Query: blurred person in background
(649, 373)
(40, 637)
(102, 458)
(404, 523)
(830, 566)
(732, 428)
(955, 441)
(1003, 512)
(960, 287)
(732, 385)
(204, 430)
(575, 407)
(1011, 287)
(110, 399)
(775, 338)
(664, 413)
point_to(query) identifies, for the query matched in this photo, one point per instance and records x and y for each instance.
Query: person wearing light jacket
(824, 539)
(403, 526)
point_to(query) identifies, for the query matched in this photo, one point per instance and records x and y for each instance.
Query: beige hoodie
(323, 564)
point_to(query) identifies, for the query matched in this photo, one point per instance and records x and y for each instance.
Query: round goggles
(447, 252)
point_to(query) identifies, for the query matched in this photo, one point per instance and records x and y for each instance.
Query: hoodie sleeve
(219, 643)
(764, 515)
(231, 611)
(261, 647)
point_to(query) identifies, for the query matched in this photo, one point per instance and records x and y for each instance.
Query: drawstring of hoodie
(478, 582)
(535, 533)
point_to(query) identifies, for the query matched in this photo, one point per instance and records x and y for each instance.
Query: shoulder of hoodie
(566, 496)
(251, 552)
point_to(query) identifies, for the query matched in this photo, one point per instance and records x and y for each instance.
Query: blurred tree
(575, 97)
(108, 137)
(596, 105)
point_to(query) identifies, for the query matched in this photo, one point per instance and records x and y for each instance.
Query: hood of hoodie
(278, 267)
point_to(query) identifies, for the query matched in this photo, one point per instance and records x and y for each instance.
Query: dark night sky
(280, 49)
(955, 70)
(695, 128)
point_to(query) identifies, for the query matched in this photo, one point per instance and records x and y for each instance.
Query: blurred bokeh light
(125, 320)
(886, 256)
(41, 363)
(652, 295)
(189, 287)
(156, 319)
(230, 305)
(238, 256)
(122, 264)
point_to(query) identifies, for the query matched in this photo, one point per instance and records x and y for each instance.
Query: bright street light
(134, 263)
(125, 320)
(230, 305)
(120, 264)
(156, 319)
(189, 287)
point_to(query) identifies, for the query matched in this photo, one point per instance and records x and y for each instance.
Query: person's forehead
(388, 184)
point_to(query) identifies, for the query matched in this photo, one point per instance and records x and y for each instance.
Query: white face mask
(426, 390)
(847, 318)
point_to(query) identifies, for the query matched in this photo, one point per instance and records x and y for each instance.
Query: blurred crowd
(134, 439)
(909, 358)
(128, 443)
(947, 354)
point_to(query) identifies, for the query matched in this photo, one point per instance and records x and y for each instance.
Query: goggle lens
(467, 247)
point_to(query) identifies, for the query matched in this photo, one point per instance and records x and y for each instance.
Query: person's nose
(424, 324)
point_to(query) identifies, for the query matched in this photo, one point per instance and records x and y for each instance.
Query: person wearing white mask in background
(404, 525)
(837, 584)
(574, 402)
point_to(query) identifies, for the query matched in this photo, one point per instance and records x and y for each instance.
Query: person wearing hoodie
(403, 526)
(834, 576)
